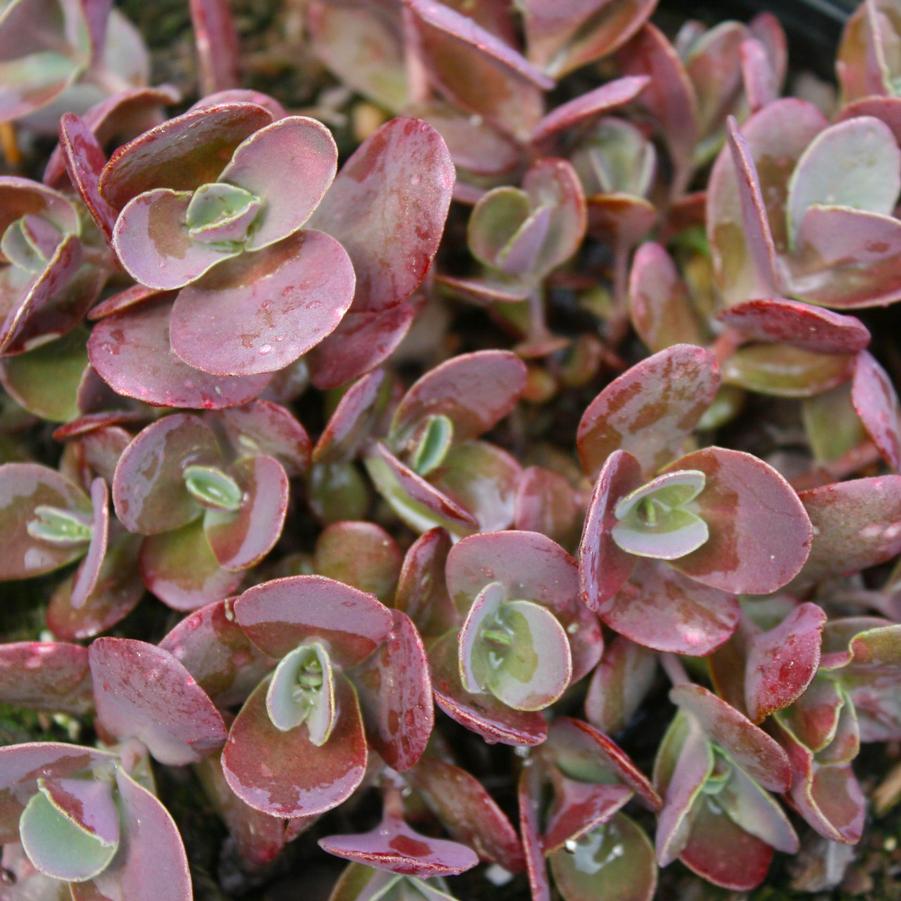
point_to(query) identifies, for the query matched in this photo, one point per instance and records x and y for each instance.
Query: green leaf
(212, 488)
(302, 690)
(58, 526)
(435, 440)
(60, 847)
(221, 212)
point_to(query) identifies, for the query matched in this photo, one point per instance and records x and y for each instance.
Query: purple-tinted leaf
(545, 502)
(483, 480)
(357, 415)
(785, 371)
(856, 524)
(242, 95)
(88, 573)
(529, 796)
(217, 44)
(618, 685)
(613, 861)
(217, 653)
(782, 661)
(421, 588)
(482, 714)
(20, 197)
(362, 43)
(662, 609)
(565, 36)
(131, 352)
(151, 850)
(149, 492)
(116, 593)
(25, 487)
(260, 311)
(143, 692)
(759, 79)
(241, 539)
(125, 300)
(760, 534)
(181, 154)
(394, 846)
(553, 183)
(152, 240)
(876, 403)
(61, 846)
(749, 746)
(283, 773)
(831, 424)
(650, 409)
(723, 853)
(387, 207)
(854, 164)
(293, 142)
(477, 70)
(179, 567)
(604, 567)
(361, 554)
(886, 109)
(589, 106)
(414, 500)
(780, 321)
(263, 427)
(361, 883)
(475, 391)
(467, 811)
(363, 340)
(396, 695)
(580, 807)
(713, 63)
(283, 613)
(45, 675)
(659, 303)
(620, 219)
(530, 567)
(861, 64)
(669, 97)
(757, 812)
(84, 160)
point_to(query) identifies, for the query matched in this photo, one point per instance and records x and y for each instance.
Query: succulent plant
(458, 439)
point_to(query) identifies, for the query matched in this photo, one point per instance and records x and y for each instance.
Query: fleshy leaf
(51, 676)
(395, 693)
(760, 534)
(24, 487)
(854, 164)
(261, 311)
(749, 746)
(876, 402)
(618, 685)
(143, 692)
(302, 692)
(782, 661)
(361, 554)
(280, 614)
(650, 409)
(546, 502)
(283, 773)
(264, 427)
(613, 861)
(784, 371)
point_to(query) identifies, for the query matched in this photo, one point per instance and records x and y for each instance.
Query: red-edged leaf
(782, 661)
(394, 846)
(240, 540)
(261, 311)
(181, 154)
(88, 573)
(23, 488)
(279, 615)
(467, 811)
(142, 691)
(778, 321)
(475, 391)
(45, 675)
(760, 534)
(619, 685)
(650, 409)
(217, 653)
(396, 695)
(876, 402)
(482, 714)
(283, 773)
(662, 609)
(263, 427)
(529, 797)
(149, 495)
(749, 746)
(421, 588)
(361, 554)
(546, 502)
(217, 44)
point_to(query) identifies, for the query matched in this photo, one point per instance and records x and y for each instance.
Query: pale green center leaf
(434, 441)
(60, 527)
(222, 213)
(212, 488)
(302, 691)
(58, 846)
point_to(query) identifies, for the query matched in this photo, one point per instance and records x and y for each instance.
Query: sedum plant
(447, 450)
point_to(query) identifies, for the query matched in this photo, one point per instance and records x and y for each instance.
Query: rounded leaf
(361, 554)
(876, 402)
(45, 675)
